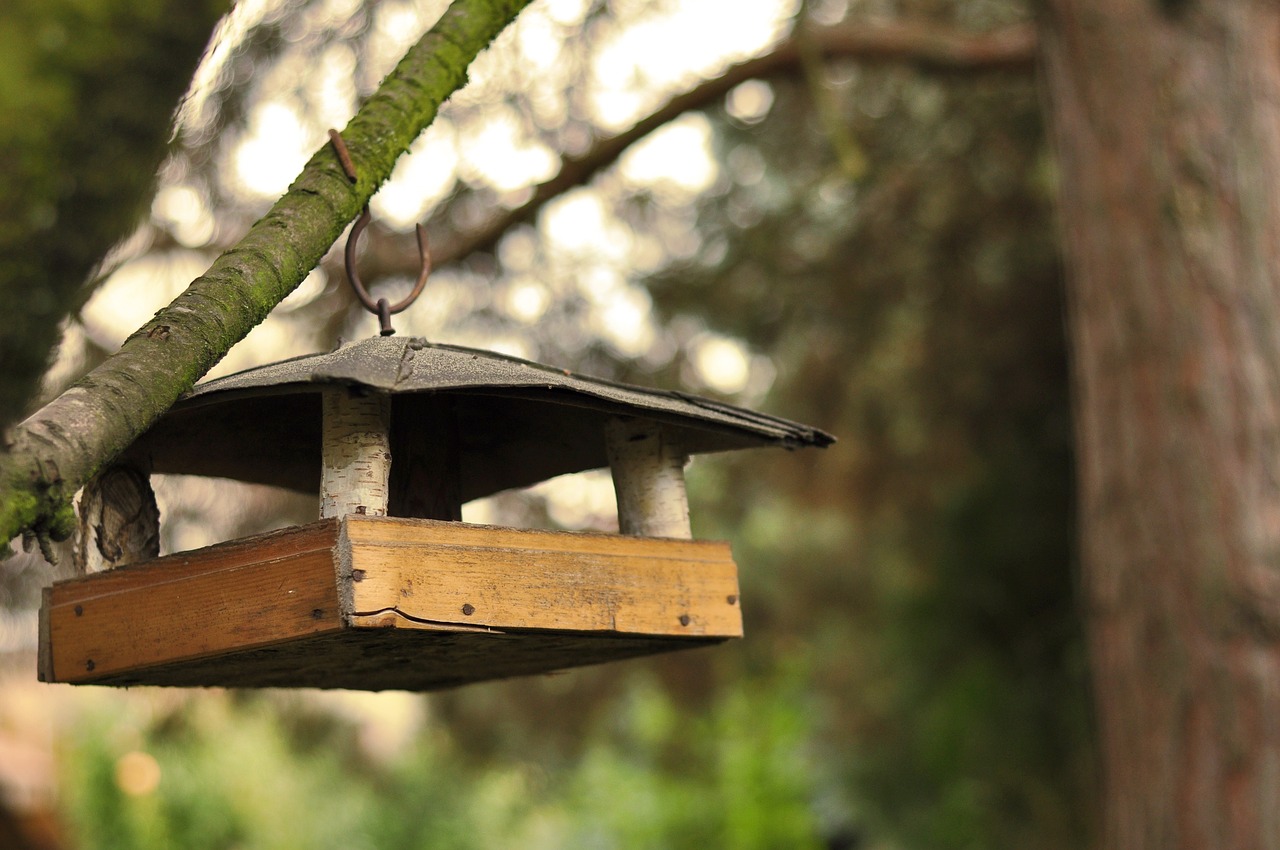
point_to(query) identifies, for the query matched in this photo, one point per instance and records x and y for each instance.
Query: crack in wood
(442, 624)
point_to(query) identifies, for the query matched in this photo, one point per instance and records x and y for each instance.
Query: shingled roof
(519, 422)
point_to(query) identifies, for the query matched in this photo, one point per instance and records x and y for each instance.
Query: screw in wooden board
(89, 665)
(731, 599)
(357, 575)
(684, 619)
(468, 609)
(79, 610)
(317, 613)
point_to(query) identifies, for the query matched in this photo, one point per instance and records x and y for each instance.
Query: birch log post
(356, 453)
(648, 478)
(119, 523)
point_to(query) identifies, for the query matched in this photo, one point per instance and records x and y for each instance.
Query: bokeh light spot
(137, 773)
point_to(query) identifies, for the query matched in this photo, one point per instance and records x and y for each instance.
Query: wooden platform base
(377, 603)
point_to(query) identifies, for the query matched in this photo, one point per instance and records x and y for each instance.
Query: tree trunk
(1167, 122)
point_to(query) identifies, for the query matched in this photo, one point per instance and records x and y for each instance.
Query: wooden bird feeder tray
(389, 590)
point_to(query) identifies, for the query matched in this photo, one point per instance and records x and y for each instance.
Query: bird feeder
(389, 589)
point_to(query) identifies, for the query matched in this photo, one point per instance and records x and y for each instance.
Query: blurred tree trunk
(1168, 128)
(87, 92)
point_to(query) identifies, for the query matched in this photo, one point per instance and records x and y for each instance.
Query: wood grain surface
(436, 573)
(388, 603)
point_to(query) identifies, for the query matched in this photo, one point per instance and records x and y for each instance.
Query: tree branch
(59, 447)
(925, 47)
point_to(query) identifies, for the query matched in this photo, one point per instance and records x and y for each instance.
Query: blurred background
(828, 210)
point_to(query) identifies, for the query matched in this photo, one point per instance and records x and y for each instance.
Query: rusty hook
(381, 307)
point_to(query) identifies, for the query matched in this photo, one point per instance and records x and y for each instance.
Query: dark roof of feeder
(518, 422)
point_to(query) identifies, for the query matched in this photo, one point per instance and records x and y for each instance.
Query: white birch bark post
(118, 521)
(648, 479)
(356, 453)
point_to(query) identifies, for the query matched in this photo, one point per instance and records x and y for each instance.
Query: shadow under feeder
(389, 590)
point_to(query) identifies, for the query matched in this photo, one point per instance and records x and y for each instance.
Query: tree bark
(356, 452)
(59, 447)
(1167, 122)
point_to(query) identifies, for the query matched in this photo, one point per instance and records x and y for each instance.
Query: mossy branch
(51, 454)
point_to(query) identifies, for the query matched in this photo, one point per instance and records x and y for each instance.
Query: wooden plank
(268, 611)
(315, 536)
(193, 605)
(438, 574)
(409, 532)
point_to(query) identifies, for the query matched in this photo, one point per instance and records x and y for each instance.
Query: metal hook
(380, 308)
